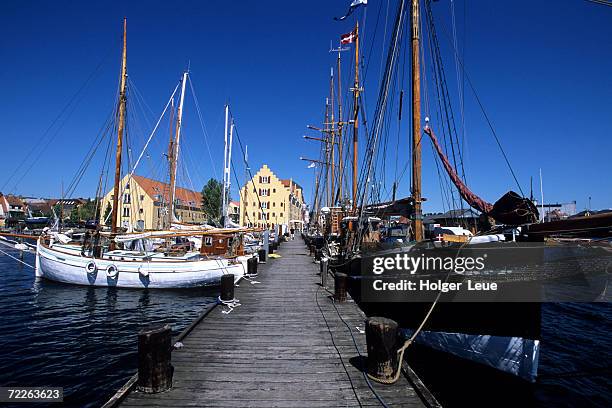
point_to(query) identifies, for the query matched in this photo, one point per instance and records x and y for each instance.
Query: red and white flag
(348, 38)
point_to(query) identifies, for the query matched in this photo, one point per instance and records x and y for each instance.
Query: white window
(208, 241)
(264, 205)
(126, 198)
(265, 179)
(126, 211)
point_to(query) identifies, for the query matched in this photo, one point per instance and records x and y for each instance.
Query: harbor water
(80, 338)
(85, 340)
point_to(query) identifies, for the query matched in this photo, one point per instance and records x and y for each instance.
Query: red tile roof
(287, 183)
(155, 188)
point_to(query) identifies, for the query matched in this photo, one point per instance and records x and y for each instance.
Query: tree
(84, 212)
(106, 219)
(211, 199)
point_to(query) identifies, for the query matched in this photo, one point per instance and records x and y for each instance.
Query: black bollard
(311, 250)
(250, 267)
(255, 263)
(318, 254)
(340, 287)
(271, 248)
(154, 357)
(381, 339)
(324, 265)
(227, 287)
(262, 255)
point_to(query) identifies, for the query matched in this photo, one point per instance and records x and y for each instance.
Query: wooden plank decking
(285, 346)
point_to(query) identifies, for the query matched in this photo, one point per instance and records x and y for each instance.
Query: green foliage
(211, 199)
(107, 213)
(84, 212)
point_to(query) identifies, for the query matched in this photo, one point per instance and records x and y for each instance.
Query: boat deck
(287, 345)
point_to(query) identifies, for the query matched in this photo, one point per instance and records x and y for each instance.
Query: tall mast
(120, 130)
(175, 151)
(327, 132)
(340, 125)
(416, 123)
(225, 137)
(332, 135)
(227, 165)
(355, 116)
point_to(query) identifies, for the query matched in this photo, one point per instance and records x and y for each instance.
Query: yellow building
(267, 201)
(144, 204)
(234, 211)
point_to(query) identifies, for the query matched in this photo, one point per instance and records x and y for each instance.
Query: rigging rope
(482, 109)
(17, 259)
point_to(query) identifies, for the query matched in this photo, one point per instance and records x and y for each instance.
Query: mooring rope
(17, 259)
(231, 304)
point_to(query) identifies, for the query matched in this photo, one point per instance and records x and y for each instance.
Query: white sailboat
(139, 264)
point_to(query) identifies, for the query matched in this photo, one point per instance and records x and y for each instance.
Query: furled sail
(472, 199)
(511, 209)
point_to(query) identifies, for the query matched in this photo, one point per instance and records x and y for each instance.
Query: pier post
(227, 287)
(318, 254)
(310, 250)
(381, 339)
(252, 266)
(266, 241)
(324, 267)
(340, 287)
(262, 255)
(154, 357)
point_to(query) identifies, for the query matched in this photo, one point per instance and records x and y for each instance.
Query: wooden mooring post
(154, 356)
(262, 255)
(324, 265)
(381, 339)
(340, 280)
(227, 287)
(252, 266)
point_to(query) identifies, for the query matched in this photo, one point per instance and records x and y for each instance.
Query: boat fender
(112, 271)
(144, 272)
(91, 267)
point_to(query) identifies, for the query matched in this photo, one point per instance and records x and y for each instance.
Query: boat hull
(70, 268)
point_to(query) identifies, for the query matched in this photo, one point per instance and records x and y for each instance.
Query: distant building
(267, 201)
(144, 204)
(38, 207)
(67, 205)
(466, 218)
(234, 211)
(556, 211)
(12, 210)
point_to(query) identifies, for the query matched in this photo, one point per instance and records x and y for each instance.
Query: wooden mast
(327, 132)
(120, 130)
(332, 135)
(416, 124)
(173, 157)
(355, 116)
(340, 125)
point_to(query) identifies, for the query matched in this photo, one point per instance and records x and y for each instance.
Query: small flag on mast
(354, 4)
(348, 38)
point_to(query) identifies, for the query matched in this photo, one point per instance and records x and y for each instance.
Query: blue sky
(543, 71)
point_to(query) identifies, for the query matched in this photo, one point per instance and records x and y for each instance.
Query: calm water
(82, 339)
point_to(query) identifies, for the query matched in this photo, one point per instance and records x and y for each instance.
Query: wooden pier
(287, 345)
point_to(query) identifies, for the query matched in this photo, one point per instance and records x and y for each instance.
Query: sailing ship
(135, 260)
(504, 332)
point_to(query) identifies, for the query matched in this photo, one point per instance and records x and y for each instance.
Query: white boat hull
(67, 267)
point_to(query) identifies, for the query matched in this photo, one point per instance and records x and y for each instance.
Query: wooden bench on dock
(287, 345)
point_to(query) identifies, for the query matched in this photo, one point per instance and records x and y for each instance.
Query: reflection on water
(81, 338)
